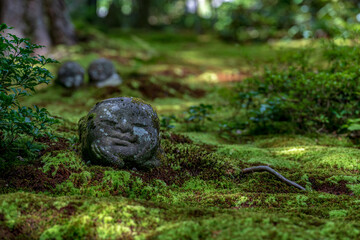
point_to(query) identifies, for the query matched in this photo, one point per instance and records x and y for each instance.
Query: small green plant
(197, 115)
(10, 213)
(166, 122)
(352, 125)
(20, 73)
(230, 130)
(69, 160)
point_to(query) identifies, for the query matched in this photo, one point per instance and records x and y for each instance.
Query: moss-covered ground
(198, 192)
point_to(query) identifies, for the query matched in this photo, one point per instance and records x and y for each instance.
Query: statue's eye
(109, 122)
(142, 125)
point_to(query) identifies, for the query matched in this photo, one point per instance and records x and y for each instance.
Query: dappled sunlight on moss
(252, 155)
(204, 137)
(284, 141)
(338, 157)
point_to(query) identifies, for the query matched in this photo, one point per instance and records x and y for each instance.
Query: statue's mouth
(123, 139)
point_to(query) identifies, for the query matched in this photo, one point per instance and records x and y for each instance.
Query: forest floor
(198, 192)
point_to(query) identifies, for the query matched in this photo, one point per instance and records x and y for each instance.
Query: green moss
(69, 160)
(204, 137)
(314, 157)
(198, 184)
(116, 217)
(10, 213)
(250, 154)
(349, 179)
(255, 225)
(113, 183)
(83, 126)
(139, 101)
(355, 188)
(154, 117)
(284, 141)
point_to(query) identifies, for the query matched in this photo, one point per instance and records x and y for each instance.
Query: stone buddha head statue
(122, 132)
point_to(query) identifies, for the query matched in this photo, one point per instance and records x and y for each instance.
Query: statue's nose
(123, 126)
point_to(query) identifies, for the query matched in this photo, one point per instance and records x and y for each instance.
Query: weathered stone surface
(102, 73)
(122, 132)
(71, 75)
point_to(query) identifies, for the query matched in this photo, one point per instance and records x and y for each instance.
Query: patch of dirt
(327, 187)
(31, 177)
(69, 92)
(179, 72)
(236, 77)
(208, 147)
(153, 90)
(60, 144)
(25, 230)
(69, 210)
(185, 89)
(116, 58)
(97, 175)
(165, 173)
(7, 233)
(62, 128)
(107, 92)
(177, 138)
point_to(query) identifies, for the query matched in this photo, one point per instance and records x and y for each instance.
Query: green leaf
(354, 127)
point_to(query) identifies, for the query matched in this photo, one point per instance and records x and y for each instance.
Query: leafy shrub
(20, 73)
(299, 98)
(260, 20)
(197, 115)
(166, 122)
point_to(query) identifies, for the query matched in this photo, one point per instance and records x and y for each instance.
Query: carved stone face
(102, 73)
(122, 132)
(71, 75)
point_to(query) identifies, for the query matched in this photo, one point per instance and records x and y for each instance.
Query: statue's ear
(156, 160)
(81, 126)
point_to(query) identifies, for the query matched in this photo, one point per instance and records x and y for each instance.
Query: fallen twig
(272, 171)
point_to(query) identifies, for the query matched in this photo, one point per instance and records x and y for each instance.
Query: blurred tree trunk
(12, 13)
(91, 2)
(44, 21)
(34, 17)
(92, 15)
(143, 13)
(115, 15)
(214, 14)
(198, 28)
(61, 28)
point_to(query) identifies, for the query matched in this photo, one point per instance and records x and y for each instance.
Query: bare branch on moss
(272, 171)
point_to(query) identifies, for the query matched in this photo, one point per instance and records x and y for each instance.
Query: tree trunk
(61, 28)
(29, 19)
(91, 15)
(36, 22)
(12, 13)
(198, 28)
(143, 13)
(91, 2)
(114, 17)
